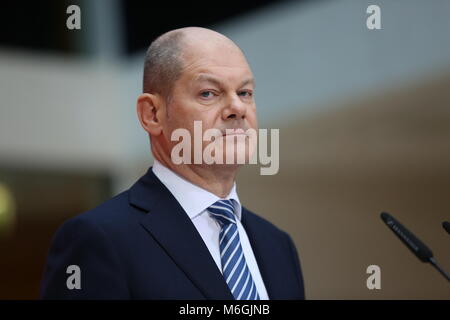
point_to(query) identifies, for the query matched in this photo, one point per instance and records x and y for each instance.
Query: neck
(217, 179)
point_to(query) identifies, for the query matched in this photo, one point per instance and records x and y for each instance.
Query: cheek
(179, 115)
(173, 122)
(184, 111)
(252, 119)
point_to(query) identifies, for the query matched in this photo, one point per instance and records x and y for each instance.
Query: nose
(235, 109)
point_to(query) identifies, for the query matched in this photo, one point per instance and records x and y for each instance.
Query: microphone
(446, 226)
(417, 247)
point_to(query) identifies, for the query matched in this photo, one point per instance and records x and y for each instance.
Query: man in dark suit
(180, 232)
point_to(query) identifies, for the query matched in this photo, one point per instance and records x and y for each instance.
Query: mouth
(234, 132)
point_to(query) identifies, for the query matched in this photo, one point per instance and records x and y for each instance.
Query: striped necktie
(234, 267)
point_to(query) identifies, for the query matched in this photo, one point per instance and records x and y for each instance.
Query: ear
(148, 108)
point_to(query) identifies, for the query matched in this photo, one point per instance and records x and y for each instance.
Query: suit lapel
(264, 254)
(171, 227)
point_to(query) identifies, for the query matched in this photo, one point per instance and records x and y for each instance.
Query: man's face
(216, 87)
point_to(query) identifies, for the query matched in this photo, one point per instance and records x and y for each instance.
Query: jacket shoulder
(110, 215)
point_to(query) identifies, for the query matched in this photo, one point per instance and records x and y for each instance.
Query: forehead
(212, 72)
(228, 63)
(239, 80)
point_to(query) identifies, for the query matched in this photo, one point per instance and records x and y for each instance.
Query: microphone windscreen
(412, 242)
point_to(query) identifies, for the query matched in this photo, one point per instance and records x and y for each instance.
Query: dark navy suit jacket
(142, 245)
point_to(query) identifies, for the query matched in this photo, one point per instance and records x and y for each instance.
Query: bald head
(166, 56)
(163, 63)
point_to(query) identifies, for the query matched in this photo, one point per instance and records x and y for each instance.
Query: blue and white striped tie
(234, 268)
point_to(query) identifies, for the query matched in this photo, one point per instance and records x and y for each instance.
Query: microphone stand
(438, 268)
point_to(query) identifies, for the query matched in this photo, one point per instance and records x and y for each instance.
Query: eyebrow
(216, 81)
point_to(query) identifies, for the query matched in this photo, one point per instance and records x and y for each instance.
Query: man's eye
(246, 93)
(206, 94)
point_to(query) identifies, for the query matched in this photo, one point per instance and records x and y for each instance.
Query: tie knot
(223, 212)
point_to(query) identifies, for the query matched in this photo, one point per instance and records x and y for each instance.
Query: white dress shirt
(195, 200)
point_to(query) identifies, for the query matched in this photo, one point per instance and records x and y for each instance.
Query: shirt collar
(192, 198)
